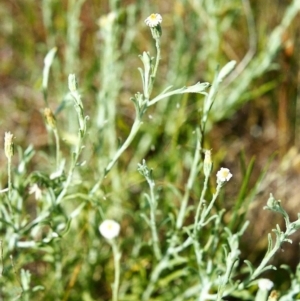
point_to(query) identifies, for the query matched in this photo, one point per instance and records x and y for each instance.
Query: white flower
(153, 20)
(224, 174)
(36, 190)
(109, 229)
(265, 284)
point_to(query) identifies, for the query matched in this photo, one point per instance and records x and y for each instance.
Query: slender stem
(75, 157)
(208, 209)
(229, 267)
(9, 178)
(57, 148)
(180, 248)
(78, 106)
(198, 253)
(197, 224)
(182, 211)
(267, 258)
(192, 177)
(153, 75)
(1, 258)
(262, 295)
(201, 202)
(137, 122)
(66, 184)
(153, 205)
(117, 257)
(135, 127)
(134, 130)
(164, 263)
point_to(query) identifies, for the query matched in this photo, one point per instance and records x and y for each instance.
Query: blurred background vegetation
(256, 113)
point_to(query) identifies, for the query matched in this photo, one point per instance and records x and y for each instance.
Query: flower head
(265, 284)
(223, 175)
(153, 20)
(109, 229)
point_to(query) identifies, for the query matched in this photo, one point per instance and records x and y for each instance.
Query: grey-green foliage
(175, 243)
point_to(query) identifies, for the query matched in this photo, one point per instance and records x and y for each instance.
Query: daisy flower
(109, 229)
(223, 175)
(153, 20)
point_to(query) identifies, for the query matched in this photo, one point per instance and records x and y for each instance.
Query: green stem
(75, 157)
(135, 127)
(134, 130)
(9, 178)
(153, 205)
(267, 258)
(117, 257)
(201, 202)
(191, 180)
(208, 209)
(137, 122)
(153, 75)
(1, 258)
(57, 148)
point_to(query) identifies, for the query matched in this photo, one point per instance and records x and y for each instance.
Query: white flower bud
(109, 229)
